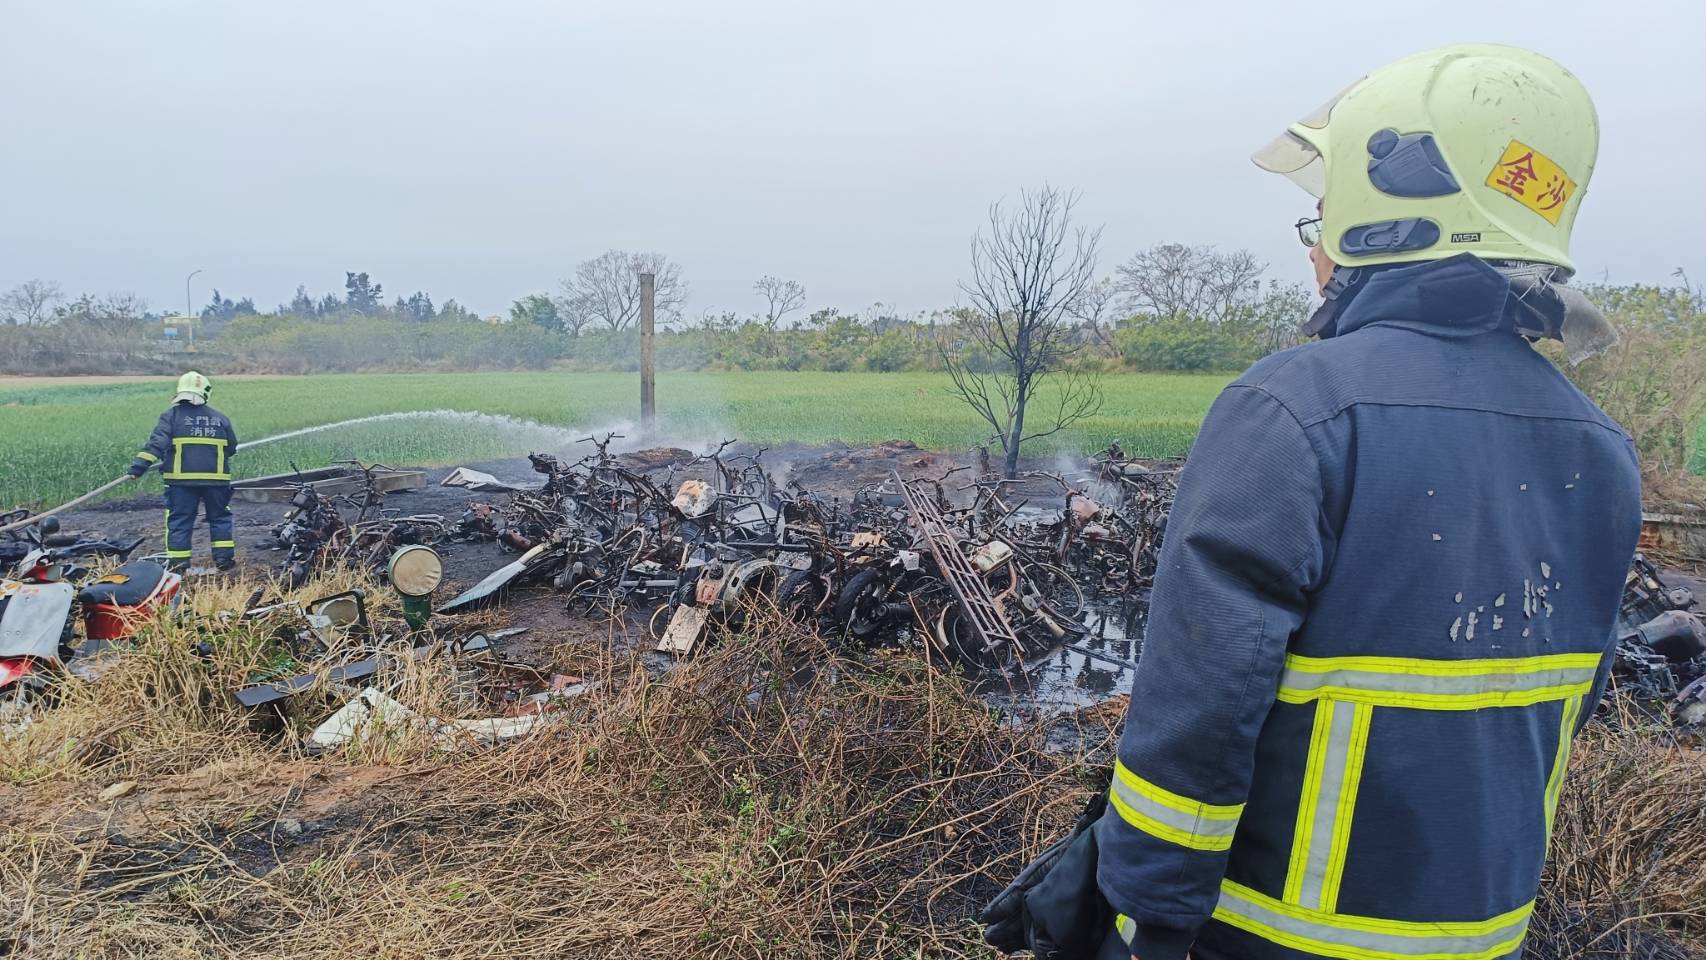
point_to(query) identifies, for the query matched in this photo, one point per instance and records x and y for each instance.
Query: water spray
(487, 420)
(471, 418)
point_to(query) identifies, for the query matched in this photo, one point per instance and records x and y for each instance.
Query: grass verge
(767, 799)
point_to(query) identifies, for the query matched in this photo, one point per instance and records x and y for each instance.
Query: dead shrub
(767, 799)
(1625, 877)
(1653, 382)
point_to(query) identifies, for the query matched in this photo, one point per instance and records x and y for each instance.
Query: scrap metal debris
(986, 574)
(1661, 646)
(315, 533)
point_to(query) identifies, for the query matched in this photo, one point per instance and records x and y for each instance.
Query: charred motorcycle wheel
(1059, 591)
(863, 606)
(802, 595)
(955, 637)
(597, 597)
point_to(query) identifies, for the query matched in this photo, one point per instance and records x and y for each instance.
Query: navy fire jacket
(1384, 607)
(193, 444)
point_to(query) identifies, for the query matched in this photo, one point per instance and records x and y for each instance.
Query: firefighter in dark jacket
(193, 445)
(1386, 600)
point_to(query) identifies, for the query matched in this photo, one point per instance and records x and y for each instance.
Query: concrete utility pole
(648, 352)
(189, 309)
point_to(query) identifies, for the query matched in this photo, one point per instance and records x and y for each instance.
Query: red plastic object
(111, 621)
(13, 669)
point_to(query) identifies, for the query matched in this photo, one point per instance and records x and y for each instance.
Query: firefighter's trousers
(182, 503)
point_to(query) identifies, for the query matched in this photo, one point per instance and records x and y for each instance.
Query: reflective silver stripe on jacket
(1331, 778)
(1438, 684)
(1170, 823)
(1366, 938)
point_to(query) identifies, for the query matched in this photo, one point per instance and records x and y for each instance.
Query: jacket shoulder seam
(1612, 428)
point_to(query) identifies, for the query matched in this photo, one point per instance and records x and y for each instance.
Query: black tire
(865, 588)
(959, 641)
(68, 640)
(801, 596)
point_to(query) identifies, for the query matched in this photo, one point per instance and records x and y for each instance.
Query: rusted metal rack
(982, 613)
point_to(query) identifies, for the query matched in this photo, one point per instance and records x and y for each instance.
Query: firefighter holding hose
(193, 445)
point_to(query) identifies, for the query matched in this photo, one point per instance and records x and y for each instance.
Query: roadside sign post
(648, 352)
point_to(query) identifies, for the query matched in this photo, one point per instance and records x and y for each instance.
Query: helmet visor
(1296, 159)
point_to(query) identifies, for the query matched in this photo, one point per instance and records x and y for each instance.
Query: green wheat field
(62, 439)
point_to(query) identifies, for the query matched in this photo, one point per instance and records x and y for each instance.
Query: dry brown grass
(1629, 850)
(767, 799)
(764, 800)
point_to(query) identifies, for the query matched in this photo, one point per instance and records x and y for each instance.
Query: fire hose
(28, 521)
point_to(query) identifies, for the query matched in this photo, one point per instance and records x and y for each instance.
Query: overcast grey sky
(478, 150)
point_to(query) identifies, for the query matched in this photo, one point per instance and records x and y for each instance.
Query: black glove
(1054, 908)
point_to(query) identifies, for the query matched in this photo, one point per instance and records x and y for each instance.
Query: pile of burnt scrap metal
(347, 524)
(1661, 647)
(988, 574)
(329, 649)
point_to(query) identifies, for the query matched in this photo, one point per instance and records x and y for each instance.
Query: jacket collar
(1461, 296)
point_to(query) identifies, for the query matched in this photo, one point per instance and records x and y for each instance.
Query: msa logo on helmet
(1531, 178)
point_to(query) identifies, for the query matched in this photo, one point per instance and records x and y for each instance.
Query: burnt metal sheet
(487, 589)
(275, 690)
(329, 481)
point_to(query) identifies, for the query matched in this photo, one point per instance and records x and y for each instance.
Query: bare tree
(572, 311)
(1030, 270)
(1172, 280)
(606, 289)
(30, 302)
(781, 297)
(1097, 310)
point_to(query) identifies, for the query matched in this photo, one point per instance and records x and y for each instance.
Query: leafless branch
(30, 302)
(1031, 270)
(606, 289)
(781, 297)
(1172, 280)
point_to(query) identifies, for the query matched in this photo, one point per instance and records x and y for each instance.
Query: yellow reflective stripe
(1361, 719)
(1126, 926)
(1561, 760)
(145, 455)
(1303, 833)
(1368, 938)
(224, 543)
(1438, 684)
(1179, 802)
(195, 476)
(1525, 698)
(1169, 816)
(179, 554)
(1442, 668)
